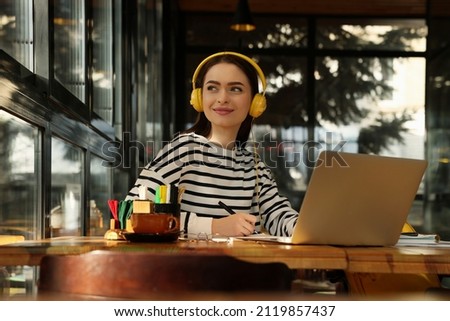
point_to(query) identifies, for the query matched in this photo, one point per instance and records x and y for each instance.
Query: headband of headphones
(258, 104)
(248, 59)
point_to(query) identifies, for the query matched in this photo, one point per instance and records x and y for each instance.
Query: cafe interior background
(91, 89)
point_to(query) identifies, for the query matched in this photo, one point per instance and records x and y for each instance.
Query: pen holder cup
(165, 220)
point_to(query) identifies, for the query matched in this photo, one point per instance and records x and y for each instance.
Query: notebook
(356, 200)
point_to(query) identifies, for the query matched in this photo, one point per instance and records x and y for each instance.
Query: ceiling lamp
(242, 20)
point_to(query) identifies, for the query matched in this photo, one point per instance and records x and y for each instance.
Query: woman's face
(227, 96)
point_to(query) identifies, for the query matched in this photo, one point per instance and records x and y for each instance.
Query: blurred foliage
(379, 136)
(341, 82)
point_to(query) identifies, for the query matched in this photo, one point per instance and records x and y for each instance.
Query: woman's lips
(223, 111)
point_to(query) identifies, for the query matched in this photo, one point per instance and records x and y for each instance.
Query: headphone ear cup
(196, 99)
(258, 106)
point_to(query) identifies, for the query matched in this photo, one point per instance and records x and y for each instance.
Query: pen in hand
(226, 208)
(230, 211)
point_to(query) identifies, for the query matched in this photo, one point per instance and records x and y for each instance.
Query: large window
(356, 85)
(67, 201)
(67, 88)
(20, 147)
(100, 192)
(16, 30)
(153, 119)
(70, 46)
(102, 71)
(437, 214)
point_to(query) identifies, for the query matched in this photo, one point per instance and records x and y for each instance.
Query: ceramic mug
(154, 223)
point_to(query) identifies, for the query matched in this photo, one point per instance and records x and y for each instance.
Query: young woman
(211, 163)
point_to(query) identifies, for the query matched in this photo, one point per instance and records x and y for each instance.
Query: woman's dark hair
(202, 125)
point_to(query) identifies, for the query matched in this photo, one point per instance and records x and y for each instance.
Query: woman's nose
(222, 97)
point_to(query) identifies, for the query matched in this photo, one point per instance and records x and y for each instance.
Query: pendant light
(242, 20)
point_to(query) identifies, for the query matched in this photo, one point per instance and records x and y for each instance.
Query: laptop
(356, 200)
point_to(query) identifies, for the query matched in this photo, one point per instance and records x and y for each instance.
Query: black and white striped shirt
(210, 173)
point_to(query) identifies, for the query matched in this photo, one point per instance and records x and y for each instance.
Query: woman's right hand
(239, 224)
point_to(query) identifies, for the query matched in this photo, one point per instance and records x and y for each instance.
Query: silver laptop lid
(358, 199)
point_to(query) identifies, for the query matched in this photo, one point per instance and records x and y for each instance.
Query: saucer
(149, 237)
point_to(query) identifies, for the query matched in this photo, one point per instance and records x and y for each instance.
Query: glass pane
(153, 120)
(70, 46)
(438, 181)
(121, 184)
(281, 131)
(214, 30)
(285, 92)
(102, 73)
(405, 35)
(16, 30)
(287, 32)
(282, 149)
(66, 193)
(372, 105)
(118, 67)
(99, 193)
(20, 177)
(437, 200)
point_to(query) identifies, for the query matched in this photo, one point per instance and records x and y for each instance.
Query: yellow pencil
(163, 192)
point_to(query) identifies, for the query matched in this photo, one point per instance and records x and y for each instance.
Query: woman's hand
(239, 224)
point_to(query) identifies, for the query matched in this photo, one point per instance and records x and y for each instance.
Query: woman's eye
(211, 88)
(236, 89)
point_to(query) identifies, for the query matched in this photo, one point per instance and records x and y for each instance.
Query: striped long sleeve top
(209, 174)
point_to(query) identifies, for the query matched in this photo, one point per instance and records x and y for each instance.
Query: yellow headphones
(258, 105)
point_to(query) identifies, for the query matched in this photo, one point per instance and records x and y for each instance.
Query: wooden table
(296, 257)
(422, 259)
(359, 263)
(8, 239)
(408, 259)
